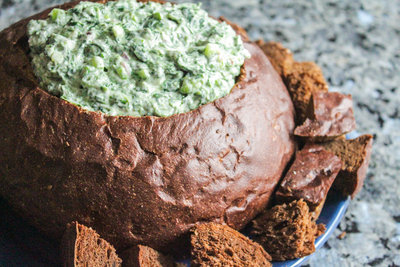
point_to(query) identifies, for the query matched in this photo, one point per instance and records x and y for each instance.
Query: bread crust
(310, 177)
(329, 115)
(144, 180)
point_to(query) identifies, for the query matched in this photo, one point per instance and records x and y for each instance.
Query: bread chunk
(310, 177)
(287, 231)
(144, 256)
(82, 247)
(355, 155)
(219, 245)
(329, 115)
(280, 57)
(302, 80)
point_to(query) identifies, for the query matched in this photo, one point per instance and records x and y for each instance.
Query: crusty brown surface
(144, 256)
(82, 247)
(355, 155)
(287, 231)
(310, 177)
(144, 180)
(219, 245)
(329, 115)
(280, 57)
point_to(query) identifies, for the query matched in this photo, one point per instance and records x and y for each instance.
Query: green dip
(132, 58)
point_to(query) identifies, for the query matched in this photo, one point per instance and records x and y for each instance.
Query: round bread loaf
(144, 180)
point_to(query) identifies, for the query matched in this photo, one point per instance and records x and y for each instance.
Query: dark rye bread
(219, 245)
(355, 155)
(329, 115)
(144, 256)
(287, 231)
(82, 247)
(281, 58)
(310, 177)
(140, 180)
(302, 79)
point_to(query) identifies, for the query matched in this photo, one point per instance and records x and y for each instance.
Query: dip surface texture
(132, 58)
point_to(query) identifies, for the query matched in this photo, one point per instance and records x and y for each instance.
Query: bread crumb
(342, 235)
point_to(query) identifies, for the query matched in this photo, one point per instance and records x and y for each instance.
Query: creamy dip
(132, 58)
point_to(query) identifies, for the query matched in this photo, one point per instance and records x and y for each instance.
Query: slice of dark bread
(219, 245)
(144, 256)
(81, 246)
(355, 155)
(310, 177)
(329, 115)
(287, 231)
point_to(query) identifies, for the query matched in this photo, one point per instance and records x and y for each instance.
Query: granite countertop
(357, 44)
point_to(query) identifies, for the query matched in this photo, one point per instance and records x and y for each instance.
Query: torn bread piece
(287, 231)
(302, 80)
(219, 245)
(280, 57)
(355, 155)
(310, 177)
(81, 246)
(329, 115)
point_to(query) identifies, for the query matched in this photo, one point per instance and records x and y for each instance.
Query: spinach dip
(132, 58)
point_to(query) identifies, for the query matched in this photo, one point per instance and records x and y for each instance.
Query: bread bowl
(147, 179)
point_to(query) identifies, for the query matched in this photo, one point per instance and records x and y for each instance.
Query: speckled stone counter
(357, 43)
